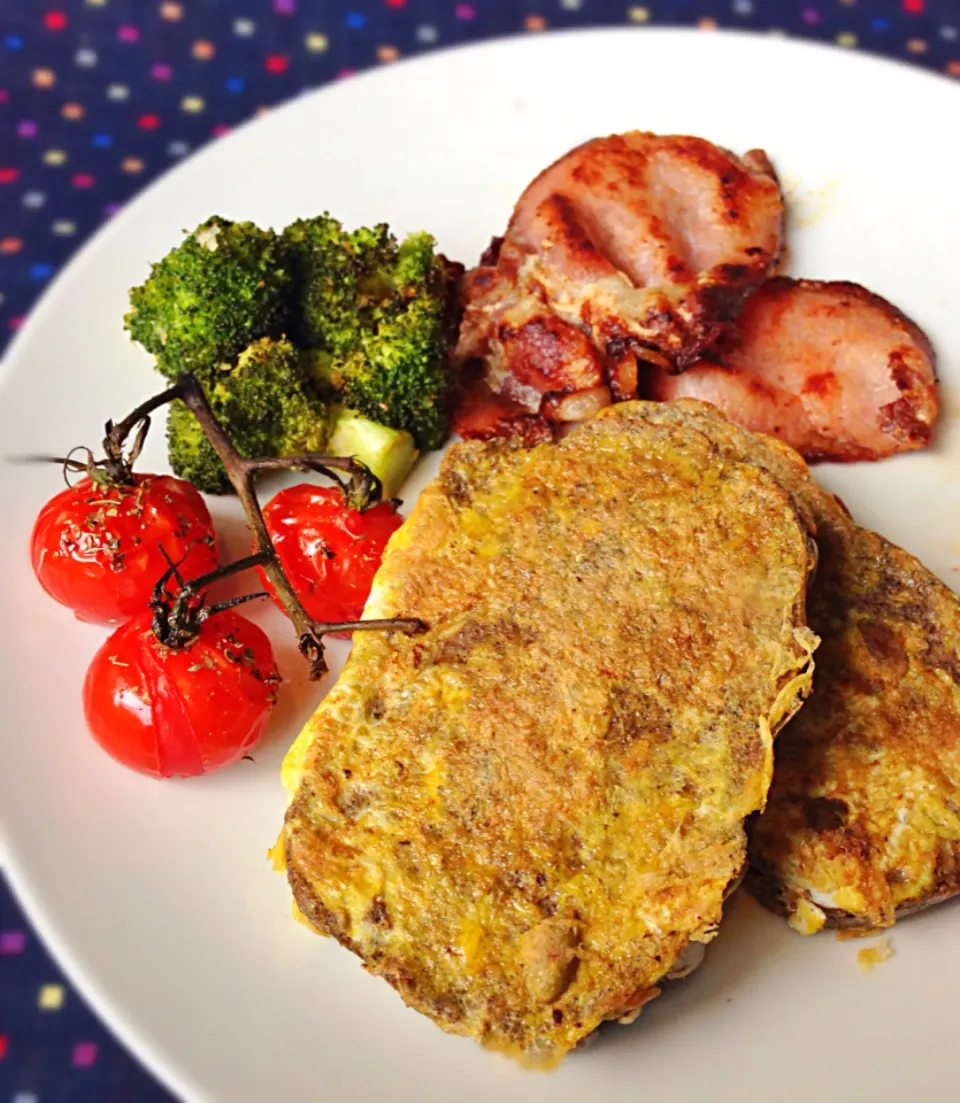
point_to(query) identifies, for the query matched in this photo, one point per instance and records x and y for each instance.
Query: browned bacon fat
(830, 368)
(631, 245)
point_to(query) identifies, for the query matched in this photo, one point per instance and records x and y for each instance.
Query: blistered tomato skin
(181, 713)
(329, 552)
(97, 549)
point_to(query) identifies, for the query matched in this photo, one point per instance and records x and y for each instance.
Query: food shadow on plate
(750, 939)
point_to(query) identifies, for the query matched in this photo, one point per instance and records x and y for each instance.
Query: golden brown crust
(864, 813)
(862, 823)
(523, 818)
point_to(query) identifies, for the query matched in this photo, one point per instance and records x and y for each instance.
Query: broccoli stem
(389, 453)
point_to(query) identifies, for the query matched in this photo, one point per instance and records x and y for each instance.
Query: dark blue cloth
(97, 97)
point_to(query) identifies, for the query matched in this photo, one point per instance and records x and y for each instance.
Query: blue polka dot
(235, 84)
(880, 24)
(13, 42)
(101, 141)
(356, 20)
(41, 271)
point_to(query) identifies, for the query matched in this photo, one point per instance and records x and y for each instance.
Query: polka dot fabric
(97, 97)
(52, 1047)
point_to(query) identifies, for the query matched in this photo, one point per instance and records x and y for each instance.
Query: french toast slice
(529, 817)
(862, 824)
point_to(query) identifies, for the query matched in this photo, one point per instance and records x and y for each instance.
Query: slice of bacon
(630, 245)
(830, 368)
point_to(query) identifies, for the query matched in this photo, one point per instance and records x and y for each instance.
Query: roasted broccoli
(378, 319)
(316, 337)
(264, 404)
(336, 271)
(227, 284)
(269, 407)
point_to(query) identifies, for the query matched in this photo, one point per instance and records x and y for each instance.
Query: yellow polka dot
(131, 164)
(172, 12)
(387, 53)
(847, 39)
(316, 43)
(707, 24)
(637, 14)
(44, 78)
(534, 23)
(917, 45)
(203, 50)
(96, 3)
(55, 157)
(51, 997)
(192, 104)
(64, 227)
(73, 111)
(10, 245)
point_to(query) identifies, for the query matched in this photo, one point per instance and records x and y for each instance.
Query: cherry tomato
(181, 713)
(328, 551)
(96, 549)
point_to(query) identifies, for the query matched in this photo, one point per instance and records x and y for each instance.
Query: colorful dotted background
(97, 97)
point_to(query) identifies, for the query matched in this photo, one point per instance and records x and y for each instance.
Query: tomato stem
(119, 468)
(177, 618)
(115, 469)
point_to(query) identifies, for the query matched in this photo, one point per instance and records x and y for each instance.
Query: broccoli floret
(378, 319)
(335, 272)
(266, 408)
(227, 284)
(192, 456)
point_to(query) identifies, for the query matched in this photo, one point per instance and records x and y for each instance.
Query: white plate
(158, 897)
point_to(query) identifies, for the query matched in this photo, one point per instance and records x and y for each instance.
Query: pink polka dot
(4, 96)
(811, 16)
(27, 129)
(126, 33)
(84, 1055)
(160, 71)
(111, 209)
(12, 942)
(345, 73)
(83, 180)
(464, 11)
(17, 322)
(219, 130)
